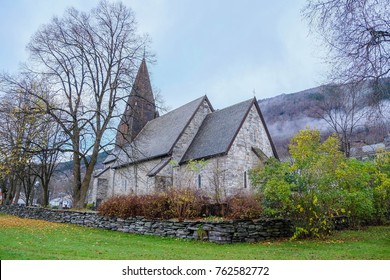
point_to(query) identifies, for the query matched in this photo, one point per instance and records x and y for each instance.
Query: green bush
(321, 184)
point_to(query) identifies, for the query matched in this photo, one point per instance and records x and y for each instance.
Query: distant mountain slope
(66, 166)
(286, 114)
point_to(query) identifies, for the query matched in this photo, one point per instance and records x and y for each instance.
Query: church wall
(134, 178)
(182, 176)
(100, 187)
(241, 158)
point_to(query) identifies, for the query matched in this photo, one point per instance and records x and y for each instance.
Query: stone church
(191, 146)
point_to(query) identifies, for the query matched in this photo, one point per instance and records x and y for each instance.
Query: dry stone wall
(221, 232)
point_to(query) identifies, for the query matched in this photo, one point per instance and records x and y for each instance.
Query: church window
(199, 181)
(245, 180)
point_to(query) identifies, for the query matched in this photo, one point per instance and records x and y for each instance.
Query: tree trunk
(77, 202)
(45, 187)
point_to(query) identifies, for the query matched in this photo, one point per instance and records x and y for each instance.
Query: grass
(25, 239)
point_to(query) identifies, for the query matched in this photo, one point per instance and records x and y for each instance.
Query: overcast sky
(230, 50)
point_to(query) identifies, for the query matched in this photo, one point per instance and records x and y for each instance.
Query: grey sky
(228, 49)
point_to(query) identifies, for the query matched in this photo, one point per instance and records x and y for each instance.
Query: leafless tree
(31, 138)
(357, 35)
(344, 109)
(47, 154)
(217, 181)
(89, 60)
(19, 127)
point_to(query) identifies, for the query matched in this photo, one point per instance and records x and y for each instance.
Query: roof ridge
(235, 115)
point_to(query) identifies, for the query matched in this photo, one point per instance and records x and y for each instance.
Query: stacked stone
(220, 232)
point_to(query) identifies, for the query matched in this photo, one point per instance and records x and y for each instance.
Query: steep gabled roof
(160, 135)
(219, 130)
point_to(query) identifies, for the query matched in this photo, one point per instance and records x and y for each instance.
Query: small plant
(90, 206)
(202, 233)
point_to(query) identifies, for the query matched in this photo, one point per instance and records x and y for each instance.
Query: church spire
(140, 107)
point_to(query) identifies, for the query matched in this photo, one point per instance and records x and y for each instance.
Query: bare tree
(357, 35)
(89, 60)
(344, 109)
(28, 179)
(41, 138)
(47, 155)
(19, 127)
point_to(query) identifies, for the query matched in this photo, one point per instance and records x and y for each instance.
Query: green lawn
(25, 239)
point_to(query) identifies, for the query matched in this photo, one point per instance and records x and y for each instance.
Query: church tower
(140, 108)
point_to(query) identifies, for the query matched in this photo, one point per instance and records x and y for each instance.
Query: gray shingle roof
(218, 132)
(112, 155)
(159, 136)
(159, 166)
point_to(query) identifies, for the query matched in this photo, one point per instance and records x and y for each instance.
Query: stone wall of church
(100, 187)
(241, 157)
(134, 178)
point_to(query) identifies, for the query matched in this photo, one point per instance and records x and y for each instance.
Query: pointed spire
(140, 107)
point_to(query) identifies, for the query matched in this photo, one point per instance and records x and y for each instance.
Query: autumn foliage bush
(121, 206)
(155, 206)
(181, 204)
(244, 206)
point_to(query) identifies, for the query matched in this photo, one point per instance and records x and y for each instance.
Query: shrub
(156, 206)
(182, 204)
(121, 206)
(382, 186)
(321, 184)
(185, 203)
(244, 207)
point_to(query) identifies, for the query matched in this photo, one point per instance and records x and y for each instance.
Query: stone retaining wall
(214, 231)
